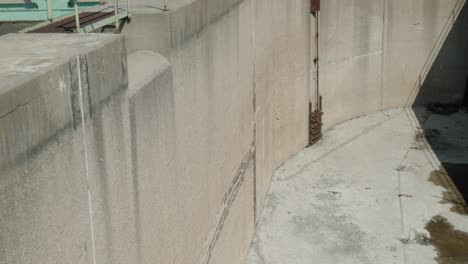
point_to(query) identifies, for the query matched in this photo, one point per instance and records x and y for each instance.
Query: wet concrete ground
(377, 189)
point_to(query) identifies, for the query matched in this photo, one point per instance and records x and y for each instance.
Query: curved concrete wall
(177, 159)
(240, 72)
(376, 55)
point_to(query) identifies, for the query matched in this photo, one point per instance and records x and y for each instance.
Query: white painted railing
(116, 12)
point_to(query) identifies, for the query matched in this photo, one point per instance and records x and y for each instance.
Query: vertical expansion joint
(85, 152)
(78, 70)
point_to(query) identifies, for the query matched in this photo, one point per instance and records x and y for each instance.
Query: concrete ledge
(165, 32)
(144, 67)
(38, 93)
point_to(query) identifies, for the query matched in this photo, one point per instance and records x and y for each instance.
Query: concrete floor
(372, 191)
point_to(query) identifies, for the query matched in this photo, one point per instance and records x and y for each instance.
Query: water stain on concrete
(453, 178)
(415, 237)
(451, 244)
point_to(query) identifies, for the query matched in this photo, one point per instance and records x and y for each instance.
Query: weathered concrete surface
(414, 33)
(214, 125)
(44, 208)
(350, 58)
(238, 227)
(281, 85)
(361, 195)
(38, 84)
(375, 55)
(156, 195)
(167, 31)
(173, 160)
(240, 77)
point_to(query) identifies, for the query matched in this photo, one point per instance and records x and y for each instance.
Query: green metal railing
(116, 18)
(119, 14)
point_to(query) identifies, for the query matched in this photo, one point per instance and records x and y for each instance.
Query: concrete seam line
(90, 207)
(254, 111)
(382, 70)
(229, 198)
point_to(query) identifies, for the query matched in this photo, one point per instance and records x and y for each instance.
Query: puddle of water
(451, 244)
(453, 178)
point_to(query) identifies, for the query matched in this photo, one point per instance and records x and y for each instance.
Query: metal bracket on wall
(315, 116)
(314, 6)
(315, 123)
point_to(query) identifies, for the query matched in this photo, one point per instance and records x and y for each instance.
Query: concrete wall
(240, 72)
(178, 157)
(448, 74)
(240, 87)
(44, 211)
(376, 55)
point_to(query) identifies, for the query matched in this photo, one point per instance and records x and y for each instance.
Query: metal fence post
(49, 10)
(129, 13)
(116, 14)
(77, 16)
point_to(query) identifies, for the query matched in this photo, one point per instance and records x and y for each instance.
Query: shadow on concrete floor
(441, 109)
(13, 27)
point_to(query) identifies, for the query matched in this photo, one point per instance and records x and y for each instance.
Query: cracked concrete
(361, 195)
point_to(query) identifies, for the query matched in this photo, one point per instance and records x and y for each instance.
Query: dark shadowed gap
(439, 108)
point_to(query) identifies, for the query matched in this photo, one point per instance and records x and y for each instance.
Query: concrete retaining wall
(377, 54)
(44, 211)
(178, 158)
(240, 89)
(182, 136)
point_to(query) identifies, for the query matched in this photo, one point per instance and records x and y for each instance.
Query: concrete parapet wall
(44, 211)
